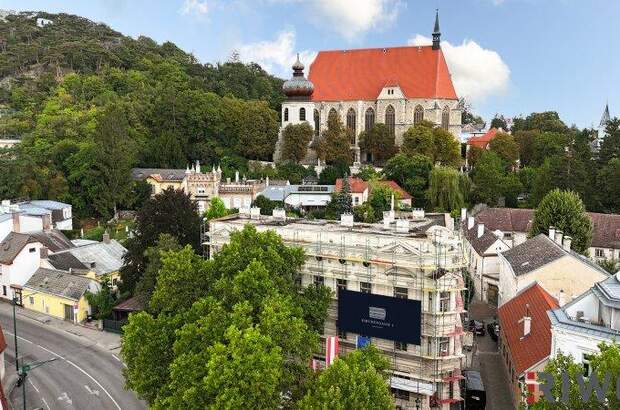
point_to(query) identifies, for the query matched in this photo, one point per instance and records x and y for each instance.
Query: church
(397, 86)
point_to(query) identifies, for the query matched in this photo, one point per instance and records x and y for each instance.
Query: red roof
(396, 188)
(535, 347)
(358, 185)
(482, 141)
(341, 75)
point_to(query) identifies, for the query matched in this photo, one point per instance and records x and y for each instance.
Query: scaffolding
(429, 267)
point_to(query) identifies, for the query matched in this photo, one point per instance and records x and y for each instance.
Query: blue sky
(507, 56)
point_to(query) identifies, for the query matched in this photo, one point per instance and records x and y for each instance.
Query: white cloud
(477, 72)
(195, 7)
(276, 56)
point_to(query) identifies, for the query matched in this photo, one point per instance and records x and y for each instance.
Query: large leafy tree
(565, 211)
(341, 201)
(609, 185)
(379, 142)
(548, 121)
(526, 139)
(411, 173)
(217, 209)
(491, 181)
(146, 285)
(355, 381)
(505, 146)
(444, 191)
(334, 145)
(295, 140)
(171, 212)
(610, 148)
(433, 142)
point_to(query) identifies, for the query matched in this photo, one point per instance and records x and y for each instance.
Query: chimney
(558, 237)
(237, 177)
(346, 219)
(480, 230)
(417, 214)
(567, 243)
(197, 167)
(562, 298)
(47, 222)
(470, 222)
(278, 213)
(527, 321)
(228, 180)
(16, 226)
(463, 214)
(388, 218)
(106, 237)
(254, 212)
(552, 233)
(44, 252)
(402, 225)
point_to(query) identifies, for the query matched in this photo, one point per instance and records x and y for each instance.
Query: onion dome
(298, 87)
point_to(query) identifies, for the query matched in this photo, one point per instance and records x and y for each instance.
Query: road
(83, 376)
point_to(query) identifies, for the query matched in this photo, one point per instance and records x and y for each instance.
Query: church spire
(605, 118)
(436, 32)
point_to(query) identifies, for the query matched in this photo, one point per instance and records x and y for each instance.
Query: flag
(331, 349)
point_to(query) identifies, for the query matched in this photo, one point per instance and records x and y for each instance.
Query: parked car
(475, 395)
(477, 327)
(493, 329)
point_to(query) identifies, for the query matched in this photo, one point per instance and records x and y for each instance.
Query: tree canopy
(295, 140)
(379, 142)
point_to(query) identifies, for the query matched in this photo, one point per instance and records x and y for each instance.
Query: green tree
(355, 381)
(266, 205)
(447, 150)
(609, 186)
(505, 146)
(367, 173)
(295, 140)
(418, 140)
(565, 211)
(526, 139)
(499, 122)
(548, 121)
(331, 173)
(334, 146)
(217, 209)
(341, 201)
(473, 155)
(102, 301)
(488, 179)
(364, 213)
(379, 142)
(444, 193)
(411, 173)
(380, 199)
(548, 145)
(610, 148)
(146, 284)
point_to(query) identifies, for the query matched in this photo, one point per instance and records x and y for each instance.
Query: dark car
(475, 395)
(493, 329)
(477, 327)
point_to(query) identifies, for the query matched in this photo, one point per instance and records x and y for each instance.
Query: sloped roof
(12, 245)
(533, 254)
(605, 230)
(65, 261)
(395, 187)
(134, 304)
(53, 239)
(102, 258)
(481, 141)
(345, 75)
(168, 174)
(358, 185)
(506, 219)
(55, 282)
(480, 244)
(528, 350)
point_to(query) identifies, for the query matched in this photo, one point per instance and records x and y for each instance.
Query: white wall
(31, 223)
(573, 343)
(22, 268)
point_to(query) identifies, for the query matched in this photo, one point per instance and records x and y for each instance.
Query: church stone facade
(398, 86)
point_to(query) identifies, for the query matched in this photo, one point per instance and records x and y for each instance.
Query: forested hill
(90, 103)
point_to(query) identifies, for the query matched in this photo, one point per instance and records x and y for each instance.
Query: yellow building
(59, 294)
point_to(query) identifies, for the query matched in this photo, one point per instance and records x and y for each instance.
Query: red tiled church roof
(482, 141)
(342, 75)
(526, 351)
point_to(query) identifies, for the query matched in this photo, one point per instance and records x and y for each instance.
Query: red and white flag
(331, 349)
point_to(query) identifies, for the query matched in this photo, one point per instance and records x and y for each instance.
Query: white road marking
(35, 387)
(65, 397)
(74, 365)
(46, 405)
(117, 358)
(95, 392)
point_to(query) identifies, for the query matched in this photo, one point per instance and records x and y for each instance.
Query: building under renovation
(417, 257)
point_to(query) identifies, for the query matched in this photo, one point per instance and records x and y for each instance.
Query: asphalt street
(83, 376)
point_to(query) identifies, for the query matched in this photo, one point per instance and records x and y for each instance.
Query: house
(99, 260)
(61, 213)
(37, 215)
(300, 196)
(482, 141)
(359, 189)
(404, 199)
(578, 327)
(59, 294)
(21, 254)
(483, 248)
(121, 312)
(15, 219)
(525, 336)
(515, 223)
(548, 260)
(419, 260)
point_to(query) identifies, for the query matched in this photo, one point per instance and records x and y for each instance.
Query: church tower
(436, 33)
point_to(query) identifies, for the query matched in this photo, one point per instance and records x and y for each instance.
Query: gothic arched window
(332, 114)
(317, 122)
(351, 124)
(418, 114)
(369, 119)
(390, 119)
(445, 118)
(286, 114)
(302, 114)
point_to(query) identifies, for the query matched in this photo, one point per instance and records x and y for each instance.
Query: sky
(506, 56)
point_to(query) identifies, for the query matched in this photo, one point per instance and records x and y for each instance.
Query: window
(114, 281)
(429, 346)
(390, 119)
(286, 114)
(402, 346)
(418, 114)
(444, 346)
(430, 302)
(599, 253)
(32, 250)
(342, 334)
(31, 300)
(587, 369)
(365, 287)
(317, 123)
(319, 280)
(3, 290)
(401, 293)
(356, 200)
(351, 125)
(400, 394)
(332, 114)
(444, 301)
(302, 114)
(341, 284)
(445, 118)
(369, 118)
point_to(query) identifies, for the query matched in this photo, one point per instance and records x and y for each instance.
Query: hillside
(90, 103)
